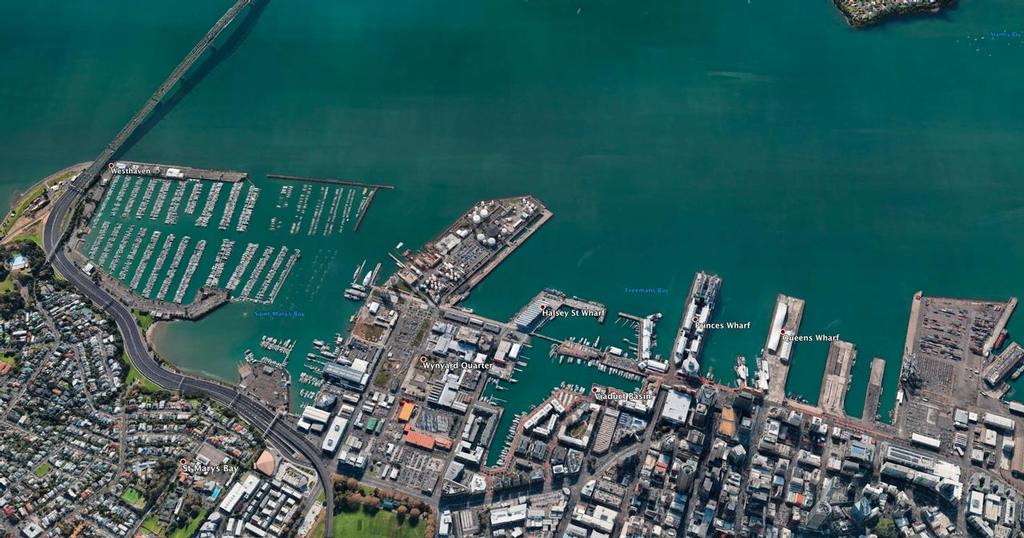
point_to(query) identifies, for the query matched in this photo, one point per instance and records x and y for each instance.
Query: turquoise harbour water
(763, 141)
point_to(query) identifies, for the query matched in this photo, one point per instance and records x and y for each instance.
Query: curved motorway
(259, 416)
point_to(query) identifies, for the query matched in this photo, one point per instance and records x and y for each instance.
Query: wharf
(696, 313)
(462, 291)
(174, 171)
(874, 393)
(778, 361)
(990, 342)
(536, 313)
(305, 179)
(841, 356)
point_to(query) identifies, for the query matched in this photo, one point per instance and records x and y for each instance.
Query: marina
(220, 260)
(146, 255)
(158, 265)
(161, 198)
(190, 269)
(172, 209)
(179, 253)
(229, 209)
(251, 196)
(211, 202)
(193, 198)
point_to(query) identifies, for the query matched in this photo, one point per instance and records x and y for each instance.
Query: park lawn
(132, 497)
(152, 525)
(191, 528)
(383, 524)
(7, 284)
(135, 377)
(144, 320)
(8, 359)
(42, 470)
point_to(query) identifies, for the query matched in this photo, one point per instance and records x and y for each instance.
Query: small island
(862, 13)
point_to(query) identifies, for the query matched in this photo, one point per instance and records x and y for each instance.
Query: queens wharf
(810, 337)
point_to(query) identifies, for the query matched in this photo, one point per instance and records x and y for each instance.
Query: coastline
(859, 20)
(20, 200)
(152, 336)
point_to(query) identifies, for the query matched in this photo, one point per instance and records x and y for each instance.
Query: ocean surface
(766, 142)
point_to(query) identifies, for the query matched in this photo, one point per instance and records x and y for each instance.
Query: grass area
(131, 496)
(383, 524)
(42, 470)
(191, 528)
(134, 376)
(152, 525)
(144, 320)
(7, 284)
(382, 378)
(6, 358)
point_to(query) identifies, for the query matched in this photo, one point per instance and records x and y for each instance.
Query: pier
(874, 389)
(841, 356)
(778, 349)
(332, 181)
(364, 209)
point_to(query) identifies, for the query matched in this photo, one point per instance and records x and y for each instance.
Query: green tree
(885, 528)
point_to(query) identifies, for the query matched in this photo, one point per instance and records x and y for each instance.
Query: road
(260, 417)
